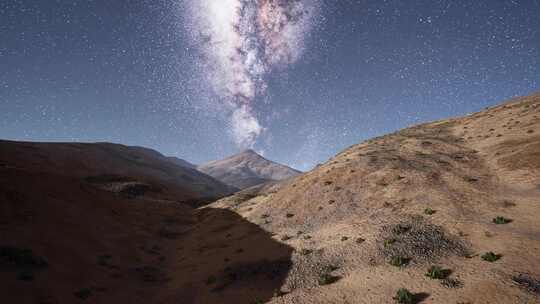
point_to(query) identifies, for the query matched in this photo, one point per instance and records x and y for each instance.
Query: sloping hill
(111, 166)
(376, 216)
(104, 223)
(247, 169)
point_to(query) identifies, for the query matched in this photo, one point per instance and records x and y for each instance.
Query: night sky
(144, 72)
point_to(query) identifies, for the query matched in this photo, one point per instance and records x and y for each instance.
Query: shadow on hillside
(233, 261)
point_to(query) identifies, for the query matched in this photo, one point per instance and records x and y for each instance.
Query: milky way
(242, 42)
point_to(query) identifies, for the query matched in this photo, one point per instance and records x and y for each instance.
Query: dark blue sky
(126, 72)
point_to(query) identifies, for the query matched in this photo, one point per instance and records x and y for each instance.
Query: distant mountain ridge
(247, 169)
(181, 162)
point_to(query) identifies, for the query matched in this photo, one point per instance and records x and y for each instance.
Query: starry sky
(140, 72)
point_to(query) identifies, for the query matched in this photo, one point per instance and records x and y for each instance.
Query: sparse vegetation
(404, 296)
(436, 273)
(330, 268)
(419, 239)
(429, 211)
(500, 220)
(400, 229)
(490, 257)
(326, 279)
(389, 242)
(528, 282)
(398, 261)
(451, 283)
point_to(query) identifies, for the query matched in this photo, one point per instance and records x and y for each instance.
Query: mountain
(247, 169)
(462, 194)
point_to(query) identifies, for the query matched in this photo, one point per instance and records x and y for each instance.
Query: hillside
(93, 220)
(247, 169)
(105, 223)
(181, 162)
(438, 194)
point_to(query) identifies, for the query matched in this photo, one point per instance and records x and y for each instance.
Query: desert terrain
(448, 210)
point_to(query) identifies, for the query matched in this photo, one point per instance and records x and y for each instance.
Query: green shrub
(398, 261)
(490, 256)
(404, 296)
(389, 242)
(436, 273)
(326, 278)
(500, 220)
(429, 211)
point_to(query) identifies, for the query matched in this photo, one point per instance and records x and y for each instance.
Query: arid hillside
(449, 210)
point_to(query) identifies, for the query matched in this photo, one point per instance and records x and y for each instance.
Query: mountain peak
(246, 169)
(249, 151)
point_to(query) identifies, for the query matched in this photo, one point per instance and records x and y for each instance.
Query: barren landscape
(447, 210)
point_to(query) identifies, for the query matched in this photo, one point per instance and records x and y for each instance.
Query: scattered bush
(360, 240)
(500, 220)
(330, 268)
(389, 242)
(289, 215)
(326, 279)
(451, 283)
(211, 280)
(436, 273)
(429, 211)
(398, 261)
(490, 256)
(400, 229)
(528, 282)
(404, 296)
(344, 238)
